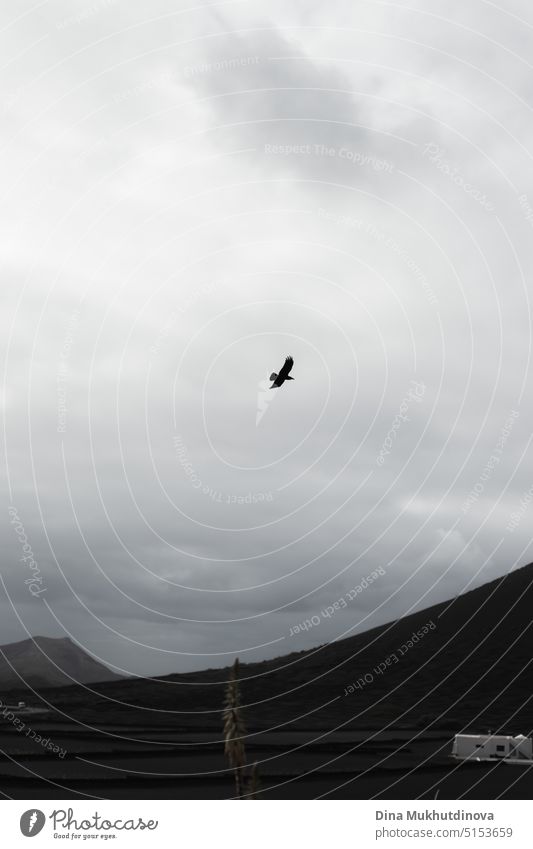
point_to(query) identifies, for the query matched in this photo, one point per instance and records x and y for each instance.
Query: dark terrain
(390, 737)
(46, 662)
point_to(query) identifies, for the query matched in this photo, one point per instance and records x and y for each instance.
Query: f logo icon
(32, 822)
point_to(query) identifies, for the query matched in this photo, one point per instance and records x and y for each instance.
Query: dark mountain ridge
(470, 662)
(49, 662)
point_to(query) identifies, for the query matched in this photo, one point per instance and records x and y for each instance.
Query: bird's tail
(273, 376)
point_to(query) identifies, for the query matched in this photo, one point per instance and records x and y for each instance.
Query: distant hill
(48, 662)
(474, 667)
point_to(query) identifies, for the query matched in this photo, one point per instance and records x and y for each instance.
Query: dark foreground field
(310, 730)
(400, 765)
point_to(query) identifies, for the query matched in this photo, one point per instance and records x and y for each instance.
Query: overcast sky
(192, 191)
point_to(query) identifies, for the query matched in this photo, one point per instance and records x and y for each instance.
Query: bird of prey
(279, 379)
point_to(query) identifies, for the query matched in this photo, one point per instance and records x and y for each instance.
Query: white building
(490, 747)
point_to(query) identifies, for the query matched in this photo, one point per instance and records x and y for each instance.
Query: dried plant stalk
(235, 729)
(253, 783)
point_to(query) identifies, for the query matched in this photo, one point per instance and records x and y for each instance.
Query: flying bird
(279, 379)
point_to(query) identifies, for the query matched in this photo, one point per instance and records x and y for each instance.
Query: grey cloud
(126, 204)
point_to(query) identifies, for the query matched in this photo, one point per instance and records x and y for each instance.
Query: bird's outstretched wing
(286, 367)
